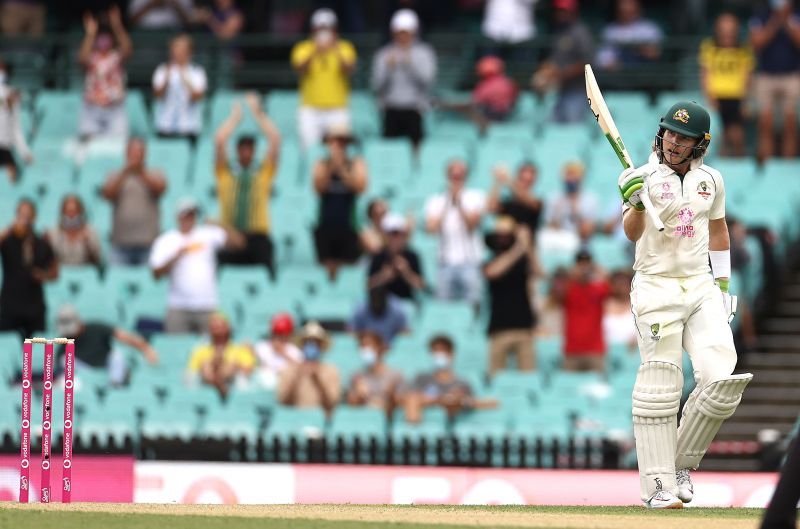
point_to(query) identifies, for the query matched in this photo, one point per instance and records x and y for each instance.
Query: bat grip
(651, 212)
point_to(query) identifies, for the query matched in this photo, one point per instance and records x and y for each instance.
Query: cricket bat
(601, 113)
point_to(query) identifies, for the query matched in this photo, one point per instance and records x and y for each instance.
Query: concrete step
(768, 342)
(788, 325)
(786, 359)
(776, 395)
(748, 430)
(766, 412)
(788, 308)
(775, 377)
(791, 292)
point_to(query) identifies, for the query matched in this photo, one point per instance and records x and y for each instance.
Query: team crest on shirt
(654, 328)
(685, 218)
(666, 191)
(681, 115)
(702, 190)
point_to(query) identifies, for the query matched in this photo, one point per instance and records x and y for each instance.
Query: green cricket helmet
(687, 118)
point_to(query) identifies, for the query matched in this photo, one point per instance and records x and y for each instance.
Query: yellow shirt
(324, 84)
(234, 353)
(243, 199)
(728, 69)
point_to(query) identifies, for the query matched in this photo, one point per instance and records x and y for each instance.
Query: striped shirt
(244, 197)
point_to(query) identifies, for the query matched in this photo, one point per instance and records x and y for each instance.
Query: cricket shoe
(685, 486)
(664, 500)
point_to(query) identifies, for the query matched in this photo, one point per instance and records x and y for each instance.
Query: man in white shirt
(188, 255)
(161, 14)
(278, 352)
(572, 214)
(12, 137)
(509, 21)
(454, 216)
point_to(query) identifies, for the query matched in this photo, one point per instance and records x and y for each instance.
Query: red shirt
(583, 318)
(499, 93)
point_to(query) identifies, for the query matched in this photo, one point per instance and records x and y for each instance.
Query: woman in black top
(521, 204)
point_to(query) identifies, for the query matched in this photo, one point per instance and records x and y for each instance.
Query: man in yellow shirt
(324, 63)
(221, 361)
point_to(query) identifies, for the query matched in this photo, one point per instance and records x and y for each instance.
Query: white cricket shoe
(664, 500)
(685, 486)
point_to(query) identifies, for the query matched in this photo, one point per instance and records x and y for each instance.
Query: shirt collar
(665, 170)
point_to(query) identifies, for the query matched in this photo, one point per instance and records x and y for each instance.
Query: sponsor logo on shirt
(702, 190)
(666, 191)
(685, 229)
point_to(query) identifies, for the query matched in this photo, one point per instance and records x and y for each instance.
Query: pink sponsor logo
(686, 228)
(666, 191)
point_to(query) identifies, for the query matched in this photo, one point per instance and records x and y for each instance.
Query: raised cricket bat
(600, 112)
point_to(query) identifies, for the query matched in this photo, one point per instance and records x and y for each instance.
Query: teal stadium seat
(59, 112)
(426, 433)
(389, 163)
(480, 434)
(301, 424)
(351, 425)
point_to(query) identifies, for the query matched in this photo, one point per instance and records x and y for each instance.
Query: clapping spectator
(224, 19)
(74, 241)
(371, 235)
(278, 352)
(179, 86)
(403, 74)
(221, 362)
(311, 383)
(508, 23)
(397, 267)
(381, 314)
(521, 203)
(495, 94)
(23, 17)
(103, 55)
(376, 384)
(324, 63)
(12, 138)
(338, 180)
(134, 192)
(161, 14)
(631, 39)
(454, 216)
(28, 262)
(188, 255)
(619, 327)
(573, 211)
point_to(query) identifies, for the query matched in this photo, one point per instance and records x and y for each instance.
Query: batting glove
(729, 302)
(631, 185)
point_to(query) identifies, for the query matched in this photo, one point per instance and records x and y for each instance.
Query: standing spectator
(221, 362)
(403, 74)
(619, 327)
(563, 70)
(179, 86)
(550, 311)
(103, 111)
(312, 383)
(382, 314)
(324, 63)
(224, 19)
(496, 93)
(631, 39)
(371, 235)
(244, 188)
(396, 267)
(508, 24)
(278, 352)
(775, 35)
(74, 241)
(134, 192)
(188, 255)
(376, 385)
(23, 17)
(574, 210)
(11, 135)
(338, 180)
(28, 263)
(726, 67)
(161, 14)
(509, 274)
(94, 344)
(522, 205)
(455, 216)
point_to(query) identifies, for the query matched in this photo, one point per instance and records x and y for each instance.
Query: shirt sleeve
(245, 358)
(217, 236)
(717, 210)
(160, 253)
(301, 52)
(197, 359)
(347, 51)
(159, 76)
(434, 207)
(199, 79)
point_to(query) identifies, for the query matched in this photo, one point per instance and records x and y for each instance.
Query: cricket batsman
(679, 302)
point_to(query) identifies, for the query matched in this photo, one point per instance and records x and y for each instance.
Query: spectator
(338, 180)
(403, 74)
(11, 135)
(103, 111)
(551, 309)
(94, 346)
(28, 263)
(179, 86)
(161, 14)
(396, 267)
(495, 95)
(563, 70)
(376, 385)
(619, 327)
(224, 19)
(371, 235)
(455, 216)
(324, 63)
(509, 274)
(278, 352)
(23, 17)
(631, 39)
(312, 383)
(382, 314)
(775, 36)
(508, 23)
(522, 205)
(134, 193)
(221, 362)
(188, 255)
(74, 241)
(573, 211)
(726, 66)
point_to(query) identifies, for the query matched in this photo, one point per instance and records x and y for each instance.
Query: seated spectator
(572, 212)
(28, 263)
(726, 67)
(103, 55)
(278, 352)
(382, 314)
(134, 193)
(223, 19)
(403, 75)
(521, 204)
(221, 362)
(12, 138)
(630, 39)
(371, 235)
(338, 180)
(161, 14)
(188, 255)
(324, 63)
(179, 86)
(311, 383)
(619, 327)
(23, 18)
(376, 385)
(495, 95)
(454, 216)
(396, 267)
(74, 241)
(94, 345)
(509, 274)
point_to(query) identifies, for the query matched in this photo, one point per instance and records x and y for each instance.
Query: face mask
(71, 223)
(441, 360)
(311, 351)
(571, 187)
(369, 356)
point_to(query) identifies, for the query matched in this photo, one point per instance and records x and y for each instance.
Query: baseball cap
(583, 255)
(282, 324)
(405, 20)
(186, 205)
(569, 5)
(324, 18)
(394, 222)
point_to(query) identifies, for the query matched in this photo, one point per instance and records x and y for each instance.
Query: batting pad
(656, 399)
(704, 413)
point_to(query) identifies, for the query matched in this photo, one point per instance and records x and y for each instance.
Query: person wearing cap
(311, 383)
(382, 313)
(277, 352)
(324, 63)
(397, 267)
(188, 255)
(94, 344)
(376, 385)
(244, 188)
(574, 210)
(403, 75)
(338, 180)
(221, 362)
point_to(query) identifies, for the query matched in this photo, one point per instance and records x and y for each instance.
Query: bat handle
(651, 212)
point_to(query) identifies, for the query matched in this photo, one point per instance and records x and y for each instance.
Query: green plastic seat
(171, 156)
(438, 316)
(231, 424)
(572, 383)
(59, 111)
(109, 425)
(247, 282)
(426, 433)
(10, 356)
(353, 427)
(170, 421)
(389, 163)
(511, 384)
(549, 353)
(480, 434)
(174, 349)
(300, 424)
(436, 153)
